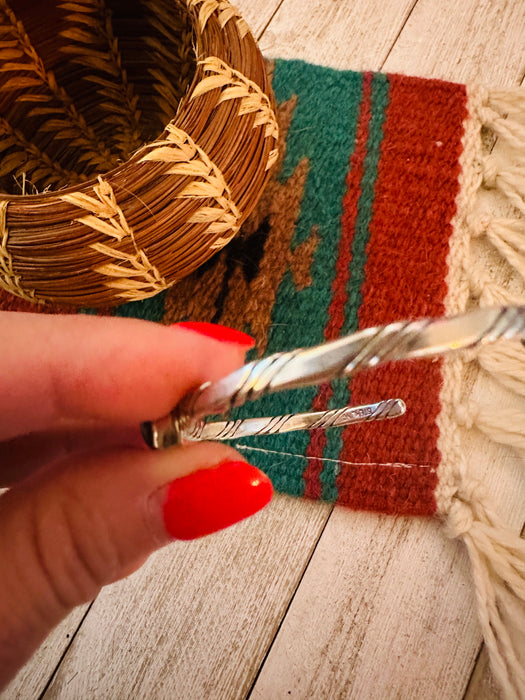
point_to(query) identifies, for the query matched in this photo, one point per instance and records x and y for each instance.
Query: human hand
(87, 502)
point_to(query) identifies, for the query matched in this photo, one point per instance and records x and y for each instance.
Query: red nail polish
(223, 333)
(212, 499)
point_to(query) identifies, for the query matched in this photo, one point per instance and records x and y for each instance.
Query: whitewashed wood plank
(197, 620)
(372, 614)
(482, 685)
(465, 41)
(341, 34)
(386, 608)
(257, 13)
(33, 677)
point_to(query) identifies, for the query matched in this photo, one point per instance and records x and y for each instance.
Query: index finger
(62, 369)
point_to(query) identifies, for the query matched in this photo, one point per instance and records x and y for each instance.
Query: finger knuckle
(73, 549)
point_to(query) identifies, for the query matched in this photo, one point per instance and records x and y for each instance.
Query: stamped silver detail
(401, 340)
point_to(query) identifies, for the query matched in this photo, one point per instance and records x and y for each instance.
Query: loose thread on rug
(331, 461)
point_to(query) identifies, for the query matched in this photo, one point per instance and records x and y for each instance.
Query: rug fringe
(504, 427)
(510, 181)
(508, 238)
(507, 101)
(503, 113)
(490, 292)
(506, 362)
(497, 554)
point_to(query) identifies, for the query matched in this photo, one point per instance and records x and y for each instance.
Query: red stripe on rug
(405, 277)
(10, 302)
(336, 310)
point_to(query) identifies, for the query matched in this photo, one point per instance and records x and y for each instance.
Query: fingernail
(212, 499)
(223, 333)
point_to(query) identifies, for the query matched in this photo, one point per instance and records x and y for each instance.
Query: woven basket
(98, 209)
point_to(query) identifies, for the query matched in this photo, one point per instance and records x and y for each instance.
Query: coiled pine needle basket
(135, 138)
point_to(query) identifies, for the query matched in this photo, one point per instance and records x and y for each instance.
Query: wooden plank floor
(303, 600)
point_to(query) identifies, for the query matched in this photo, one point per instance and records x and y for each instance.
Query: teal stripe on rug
(341, 396)
(323, 131)
(151, 309)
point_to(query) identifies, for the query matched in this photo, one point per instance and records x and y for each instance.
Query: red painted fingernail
(223, 333)
(212, 499)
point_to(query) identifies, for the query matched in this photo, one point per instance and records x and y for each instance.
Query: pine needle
(92, 43)
(173, 54)
(30, 73)
(24, 157)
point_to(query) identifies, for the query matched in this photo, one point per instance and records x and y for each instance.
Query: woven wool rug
(389, 202)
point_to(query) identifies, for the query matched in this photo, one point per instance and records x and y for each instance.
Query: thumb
(88, 521)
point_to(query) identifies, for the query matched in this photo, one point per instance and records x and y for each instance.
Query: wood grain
(197, 620)
(34, 676)
(386, 608)
(373, 617)
(258, 14)
(482, 685)
(467, 41)
(341, 34)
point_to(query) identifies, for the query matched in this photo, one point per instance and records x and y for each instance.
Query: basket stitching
(150, 280)
(27, 60)
(8, 279)
(108, 218)
(90, 25)
(236, 86)
(106, 215)
(188, 159)
(225, 11)
(27, 157)
(174, 55)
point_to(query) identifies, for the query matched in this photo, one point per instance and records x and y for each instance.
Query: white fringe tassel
(504, 113)
(506, 362)
(487, 291)
(508, 238)
(510, 181)
(497, 554)
(510, 101)
(505, 426)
